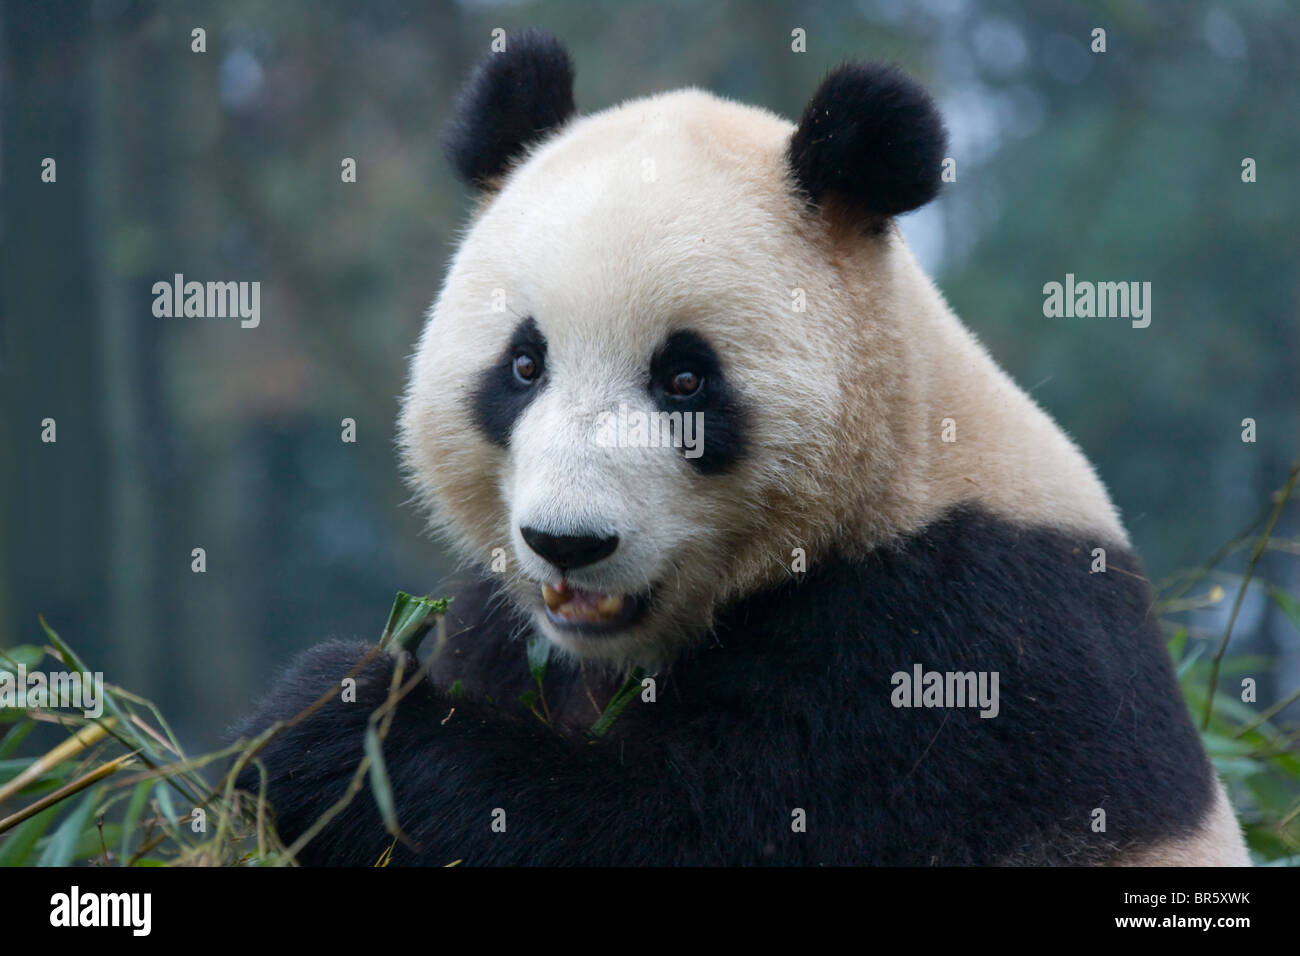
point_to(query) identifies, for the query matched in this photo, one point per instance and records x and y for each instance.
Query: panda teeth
(575, 605)
(553, 598)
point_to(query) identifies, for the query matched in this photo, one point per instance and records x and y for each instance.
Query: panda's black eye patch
(686, 376)
(683, 366)
(507, 386)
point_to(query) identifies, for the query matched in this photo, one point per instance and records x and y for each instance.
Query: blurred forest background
(182, 433)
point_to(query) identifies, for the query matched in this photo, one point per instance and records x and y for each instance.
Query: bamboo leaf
(1289, 605)
(379, 782)
(1236, 766)
(28, 655)
(410, 620)
(539, 651)
(139, 798)
(1190, 660)
(88, 844)
(616, 704)
(15, 737)
(1178, 644)
(62, 846)
(141, 743)
(17, 846)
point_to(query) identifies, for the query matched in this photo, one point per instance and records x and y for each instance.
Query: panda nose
(569, 551)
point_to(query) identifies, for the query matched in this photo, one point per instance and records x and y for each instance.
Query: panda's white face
(650, 261)
(686, 261)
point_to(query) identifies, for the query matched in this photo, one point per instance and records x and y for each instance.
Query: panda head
(664, 364)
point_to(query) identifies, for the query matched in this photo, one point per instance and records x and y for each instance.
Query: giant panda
(873, 501)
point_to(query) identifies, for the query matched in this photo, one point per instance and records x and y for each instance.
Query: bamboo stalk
(76, 786)
(85, 737)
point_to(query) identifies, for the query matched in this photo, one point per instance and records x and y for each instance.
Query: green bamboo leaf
(1187, 662)
(616, 704)
(16, 845)
(1272, 795)
(1264, 839)
(62, 846)
(1177, 644)
(70, 659)
(539, 651)
(134, 809)
(1217, 745)
(379, 783)
(1246, 665)
(88, 844)
(1233, 706)
(14, 766)
(15, 737)
(1289, 605)
(28, 655)
(1288, 763)
(53, 777)
(169, 814)
(1237, 766)
(137, 739)
(410, 619)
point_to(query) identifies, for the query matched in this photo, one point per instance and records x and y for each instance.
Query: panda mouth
(573, 607)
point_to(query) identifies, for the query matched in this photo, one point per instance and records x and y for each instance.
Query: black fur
(500, 398)
(788, 707)
(512, 100)
(870, 139)
(724, 413)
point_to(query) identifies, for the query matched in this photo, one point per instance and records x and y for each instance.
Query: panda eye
(685, 384)
(526, 368)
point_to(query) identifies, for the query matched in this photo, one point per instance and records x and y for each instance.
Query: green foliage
(127, 764)
(1257, 756)
(617, 703)
(1259, 764)
(410, 619)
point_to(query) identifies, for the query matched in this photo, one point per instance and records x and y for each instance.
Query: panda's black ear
(871, 141)
(512, 99)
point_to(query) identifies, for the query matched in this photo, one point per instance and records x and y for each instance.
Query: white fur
(1218, 842)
